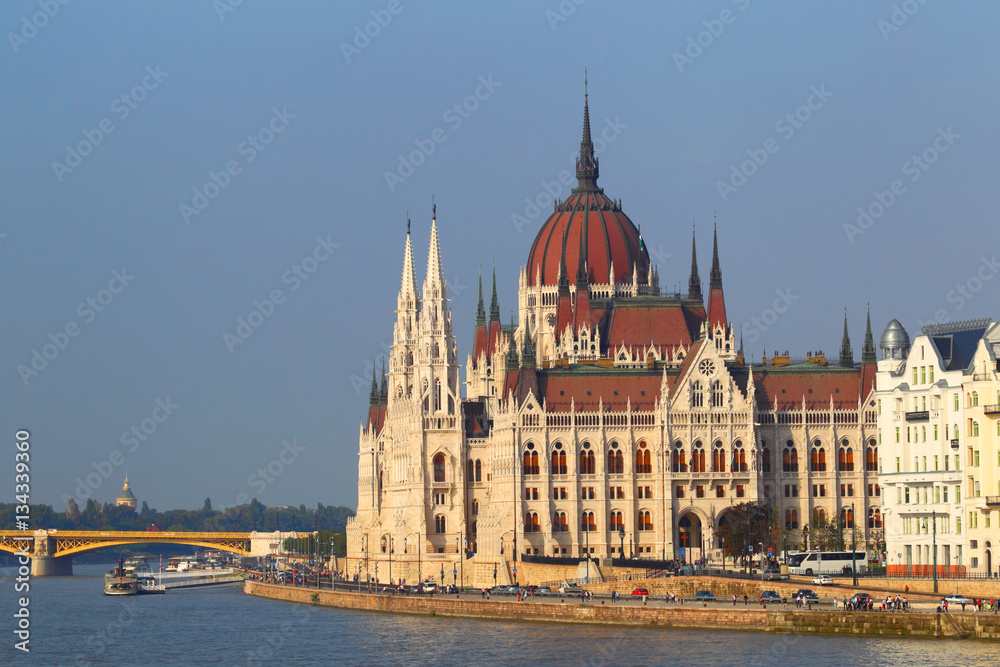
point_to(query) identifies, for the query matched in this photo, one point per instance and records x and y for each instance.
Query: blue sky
(276, 124)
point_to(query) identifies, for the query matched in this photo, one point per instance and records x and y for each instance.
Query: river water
(73, 623)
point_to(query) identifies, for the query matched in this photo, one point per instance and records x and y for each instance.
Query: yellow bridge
(50, 551)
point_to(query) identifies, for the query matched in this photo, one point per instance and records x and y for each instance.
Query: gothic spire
(435, 274)
(409, 283)
(868, 351)
(494, 302)
(694, 282)
(511, 348)
(586, 165)
(373, 396)
(480, 309)
(715, 278)
(528, 349)
(846, 353)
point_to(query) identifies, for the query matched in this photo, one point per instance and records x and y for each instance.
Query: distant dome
(895, 342)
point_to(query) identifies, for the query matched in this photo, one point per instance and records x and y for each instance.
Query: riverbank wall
(652, 614)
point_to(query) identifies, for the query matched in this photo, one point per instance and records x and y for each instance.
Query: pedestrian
(734, 599)
(745, 599)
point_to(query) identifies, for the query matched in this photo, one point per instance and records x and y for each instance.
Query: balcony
(954, 443)
(993, 500)
(921, 416)
(992, 409)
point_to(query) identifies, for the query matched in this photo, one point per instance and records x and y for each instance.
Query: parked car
(641, 591)
(823, 580)
(955, 598)
(704, 596)
(543, 590)
(770, 596)
(414, 589)
(450, 588)
(774, 574)
(570, 589)
(807, 595)
(429, 587)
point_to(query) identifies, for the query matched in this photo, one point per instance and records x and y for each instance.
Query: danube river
(73, 623)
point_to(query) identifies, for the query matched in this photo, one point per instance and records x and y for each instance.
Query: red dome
(589, 225)
(607, 236)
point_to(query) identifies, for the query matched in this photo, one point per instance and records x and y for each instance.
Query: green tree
(72, 511)
(208, 505)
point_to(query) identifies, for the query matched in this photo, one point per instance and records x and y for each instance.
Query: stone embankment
(652, 614)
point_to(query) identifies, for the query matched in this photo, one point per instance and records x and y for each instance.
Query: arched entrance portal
(989, 560)
(689, 538)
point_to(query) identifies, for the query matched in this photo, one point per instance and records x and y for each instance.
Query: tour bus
(826, 562)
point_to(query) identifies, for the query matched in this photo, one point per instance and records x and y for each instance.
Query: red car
(641, 591)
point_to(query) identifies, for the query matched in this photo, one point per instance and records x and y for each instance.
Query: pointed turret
(528, 350)
(511, 349)
(409, 283)
(694, 282)
(846, 353)
(868, 351)
(494, 302)
(716, 301)
(586, 165)
(480, 309)
(435, 273)
(373, 396)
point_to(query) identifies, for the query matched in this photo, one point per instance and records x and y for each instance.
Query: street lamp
(621, 535)
(391, 551)
(854, 545)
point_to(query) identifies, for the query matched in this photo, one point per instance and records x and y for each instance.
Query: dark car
(641, 591)
(807, 595)
(770, 596)
(704, 596)
(861, 599)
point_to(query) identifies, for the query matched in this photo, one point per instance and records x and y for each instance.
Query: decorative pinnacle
(846, 353)
(868, 351)
(480, 309)
(694, 282)
(715, 278)
(494, 302)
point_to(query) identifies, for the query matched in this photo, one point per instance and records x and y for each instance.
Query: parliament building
(614, 419)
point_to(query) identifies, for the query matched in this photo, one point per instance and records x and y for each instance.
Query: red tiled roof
(587, 388)
(665, 326)
(791, 384)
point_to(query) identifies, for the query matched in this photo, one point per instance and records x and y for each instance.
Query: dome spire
(586, 165)
(694, 282)
(373, 395)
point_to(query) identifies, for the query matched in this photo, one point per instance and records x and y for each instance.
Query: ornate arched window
(645, 521)
(871, 457)
(845, 458)
(789, 458)
(643, 461)
(531, 522)
(469, 471)
(874, 518)
(440, 525)
(587, 523)
(698, 458)
(847, 518)
(678, 460)
(437, 395)
(587, 466)
(765, 458)
(716, 394)
(475, 507)
(697, 398)
(439, 468)
(479, 470)
(739, 457)
(718, 457)
(791, 519)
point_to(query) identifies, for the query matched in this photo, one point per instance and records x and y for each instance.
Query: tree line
(240, 518)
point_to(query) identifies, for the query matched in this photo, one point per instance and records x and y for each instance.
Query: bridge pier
(51, 566)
